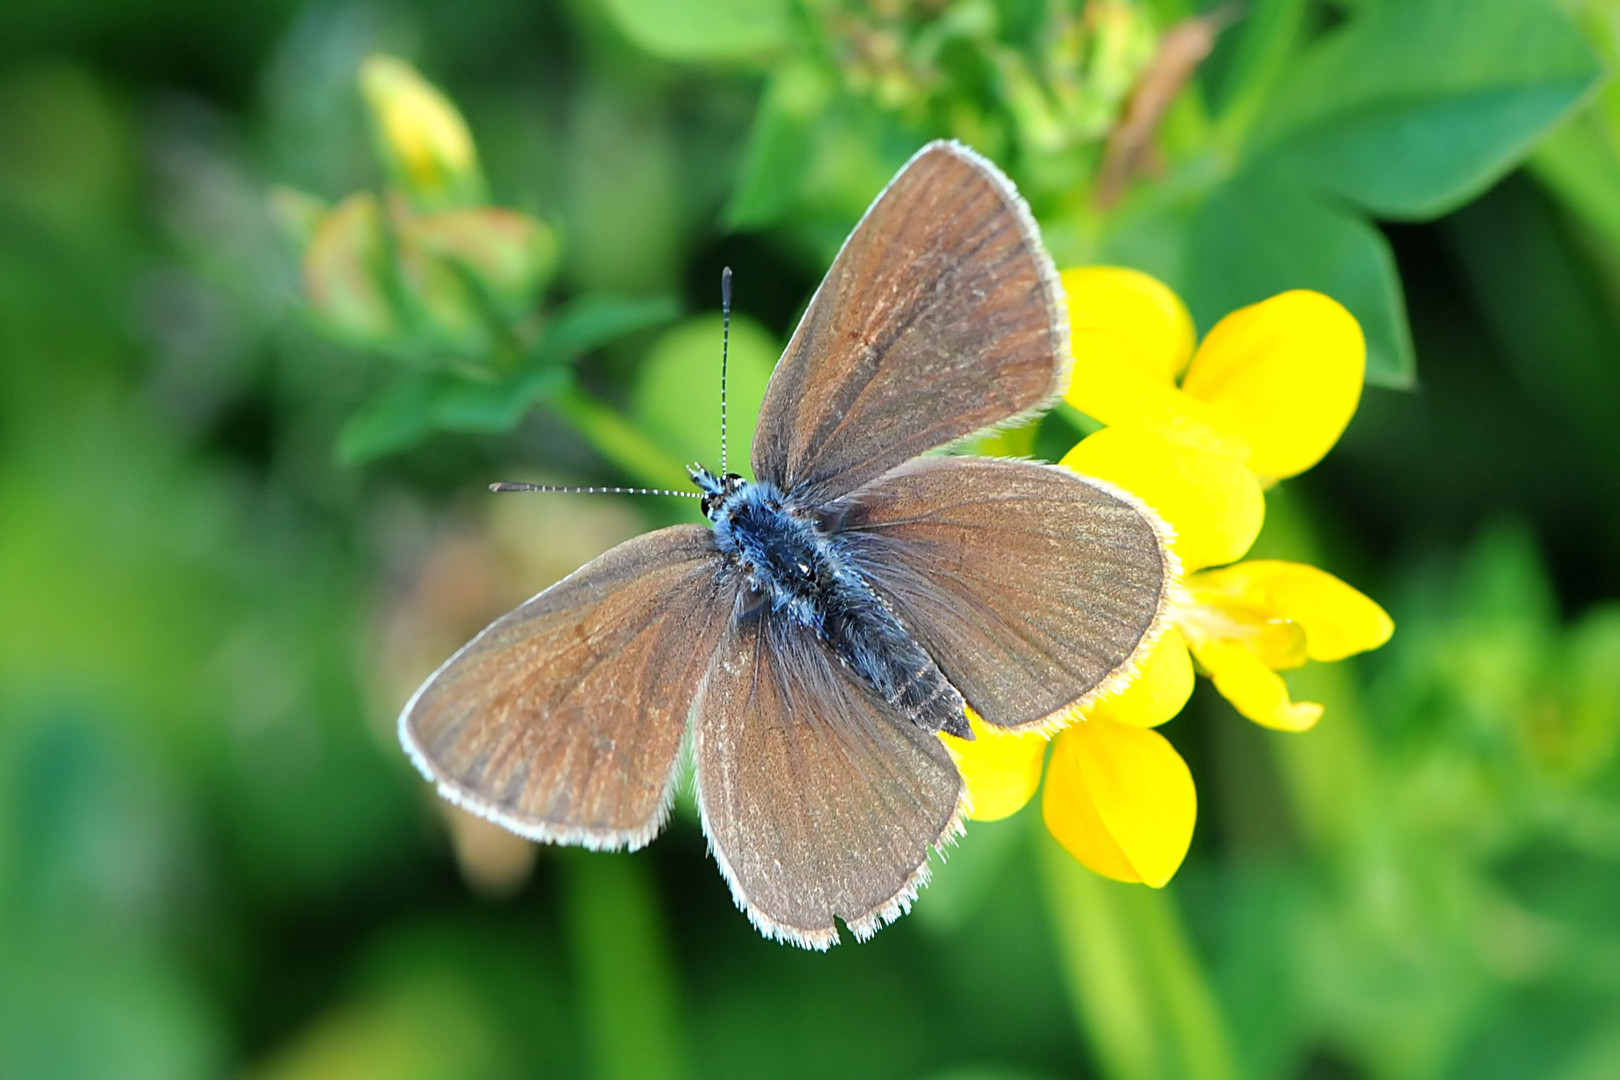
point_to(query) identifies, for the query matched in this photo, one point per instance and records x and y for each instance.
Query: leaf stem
(617, 439)
(1140, 994)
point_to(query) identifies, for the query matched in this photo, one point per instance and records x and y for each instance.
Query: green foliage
(695, 30)
(1413, 108)
(441, 282)
(1291, 239)
(1143, 1000)
(1406, 111)
(677, 398)
(416, 405)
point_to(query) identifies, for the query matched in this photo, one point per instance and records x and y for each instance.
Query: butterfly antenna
(571, 489)
(725, 347)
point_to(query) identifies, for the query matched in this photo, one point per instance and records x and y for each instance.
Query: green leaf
(591, 321)
(677, 399)
(1256, 237)
(627, 981)
(1415, 107)
(1139, 990)
(1266, 39)
(1581, 166)
(704, 30)
(422, 403)
(419, 404)
(779, 145)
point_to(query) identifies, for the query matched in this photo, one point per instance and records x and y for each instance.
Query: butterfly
(841, 609)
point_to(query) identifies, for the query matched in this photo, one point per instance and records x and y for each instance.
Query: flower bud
(422, 139)
(347, 273)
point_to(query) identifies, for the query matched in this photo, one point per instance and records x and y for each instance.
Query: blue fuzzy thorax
(788, 563)
(782, 556)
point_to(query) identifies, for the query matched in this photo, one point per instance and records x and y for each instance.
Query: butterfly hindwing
(562, 721)
(1029, 585)
(818, 799)
(941, 316)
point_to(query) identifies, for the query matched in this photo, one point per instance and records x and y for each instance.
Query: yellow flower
(1273, 385)
(1117, 796)
(1265, 395)
(1243, 623)
(422, 138)
(1195, 434)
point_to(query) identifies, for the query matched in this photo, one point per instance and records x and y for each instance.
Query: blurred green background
(243, 450)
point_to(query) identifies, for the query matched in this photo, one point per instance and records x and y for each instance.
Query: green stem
(1270, 32)
(626, 977)
(619, 440)
(1140, 994)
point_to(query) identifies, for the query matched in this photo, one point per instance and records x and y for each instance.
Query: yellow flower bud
(347, 276)
(421, 137)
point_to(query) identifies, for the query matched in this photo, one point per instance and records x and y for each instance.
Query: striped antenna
(571, 489)
(725, 347)
(502, 486)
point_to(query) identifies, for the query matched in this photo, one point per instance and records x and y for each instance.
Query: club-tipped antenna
(725, 347)
(574, 489)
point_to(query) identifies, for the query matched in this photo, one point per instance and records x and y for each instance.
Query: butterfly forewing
(563, 719)
(941, 316)
(1028, 585)
(818, 799)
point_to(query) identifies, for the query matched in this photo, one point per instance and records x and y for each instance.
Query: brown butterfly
(846, 604)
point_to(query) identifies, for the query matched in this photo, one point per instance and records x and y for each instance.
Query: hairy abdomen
(877, 648)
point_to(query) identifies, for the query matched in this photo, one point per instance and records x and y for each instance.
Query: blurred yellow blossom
(1004, 768)
(421, 136)
(1196, 434)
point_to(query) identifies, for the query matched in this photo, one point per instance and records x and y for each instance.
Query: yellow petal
(1001, 770)
(1254, 689)
(1158, 691)
(1337, 620)
(1214, 504)
(1285, 375)
(1121, 800)
(1121, 315)
(1280, 644)
(1118, 393)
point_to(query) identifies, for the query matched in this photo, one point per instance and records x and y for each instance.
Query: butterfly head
(716, 489)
